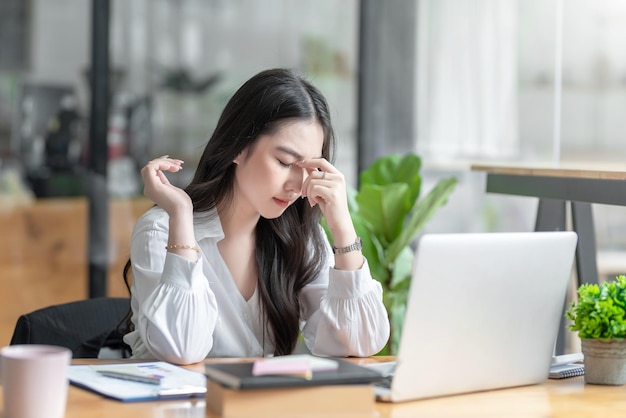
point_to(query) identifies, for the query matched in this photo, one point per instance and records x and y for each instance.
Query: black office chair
(84, 326)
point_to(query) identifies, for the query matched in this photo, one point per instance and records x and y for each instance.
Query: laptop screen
(483, 312)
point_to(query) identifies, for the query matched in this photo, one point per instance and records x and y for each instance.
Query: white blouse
(184, 311)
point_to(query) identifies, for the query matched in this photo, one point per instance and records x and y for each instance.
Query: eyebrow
(290, 152)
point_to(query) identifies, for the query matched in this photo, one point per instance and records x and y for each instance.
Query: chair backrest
(83, 326)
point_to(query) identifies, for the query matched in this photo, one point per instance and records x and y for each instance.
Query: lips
(282, 202)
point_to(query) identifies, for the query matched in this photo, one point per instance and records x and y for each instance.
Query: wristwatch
(355, 246)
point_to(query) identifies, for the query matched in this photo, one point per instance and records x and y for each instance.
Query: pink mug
(34, 380)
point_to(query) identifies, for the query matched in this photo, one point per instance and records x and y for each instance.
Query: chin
(273, 213)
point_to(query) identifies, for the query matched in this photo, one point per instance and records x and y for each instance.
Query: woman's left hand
(326, 186)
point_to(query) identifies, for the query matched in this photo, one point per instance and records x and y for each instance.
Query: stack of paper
(172, 381)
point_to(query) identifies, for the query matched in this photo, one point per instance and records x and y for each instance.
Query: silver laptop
(483, 313)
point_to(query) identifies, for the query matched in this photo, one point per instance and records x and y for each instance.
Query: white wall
(594, 78)
(60, 42)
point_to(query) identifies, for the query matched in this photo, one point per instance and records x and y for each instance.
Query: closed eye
(284, 164)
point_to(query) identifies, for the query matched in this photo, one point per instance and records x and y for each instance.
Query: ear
(239, 157)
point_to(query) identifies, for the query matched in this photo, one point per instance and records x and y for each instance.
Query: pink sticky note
(300, 368)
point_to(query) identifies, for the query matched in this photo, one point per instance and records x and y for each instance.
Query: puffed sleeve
(344, 314)
(174, 309)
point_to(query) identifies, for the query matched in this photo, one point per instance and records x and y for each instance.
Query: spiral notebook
(567, 365)
(563, 371)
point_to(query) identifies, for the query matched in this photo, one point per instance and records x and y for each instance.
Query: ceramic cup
(34, 380)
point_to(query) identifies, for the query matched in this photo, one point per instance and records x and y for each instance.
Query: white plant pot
(605, 361)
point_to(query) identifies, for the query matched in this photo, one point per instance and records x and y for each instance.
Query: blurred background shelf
(43, 257)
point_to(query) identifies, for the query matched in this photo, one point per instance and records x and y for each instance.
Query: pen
(132, 377)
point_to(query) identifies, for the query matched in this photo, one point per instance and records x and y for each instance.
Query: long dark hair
(290, 249)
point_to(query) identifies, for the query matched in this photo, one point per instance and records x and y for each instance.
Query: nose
(295, 179)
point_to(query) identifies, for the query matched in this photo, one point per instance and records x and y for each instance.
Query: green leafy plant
(388, 214)
(600, 312)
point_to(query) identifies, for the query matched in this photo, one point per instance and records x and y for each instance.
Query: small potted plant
(599, 317)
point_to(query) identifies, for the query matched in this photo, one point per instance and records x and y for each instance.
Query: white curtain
(467, 79)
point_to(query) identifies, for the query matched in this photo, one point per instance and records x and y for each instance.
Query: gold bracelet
(182, 247)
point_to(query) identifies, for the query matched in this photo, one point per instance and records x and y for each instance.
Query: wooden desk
(569, 398)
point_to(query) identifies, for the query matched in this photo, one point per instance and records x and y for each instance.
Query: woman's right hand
(158, 188)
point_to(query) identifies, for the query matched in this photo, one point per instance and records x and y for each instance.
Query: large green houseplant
(388, 214)
(599, 317)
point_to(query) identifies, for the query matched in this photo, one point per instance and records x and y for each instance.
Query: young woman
(236, 264)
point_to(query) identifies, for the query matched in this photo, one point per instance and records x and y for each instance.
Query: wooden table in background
(567, 398)
(555, 187)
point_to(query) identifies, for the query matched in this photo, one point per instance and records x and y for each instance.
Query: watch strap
(355, 246)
